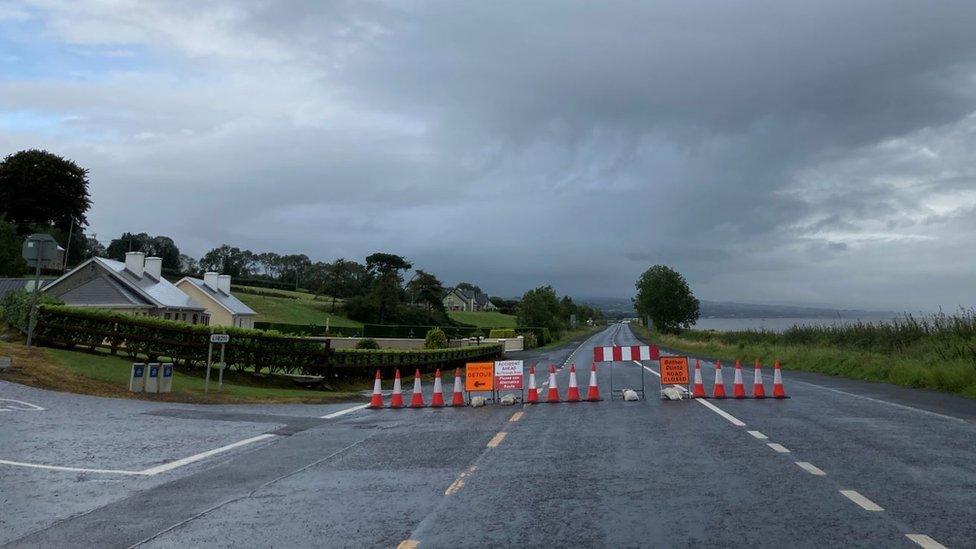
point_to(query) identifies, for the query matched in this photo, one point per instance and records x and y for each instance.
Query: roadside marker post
(627, 353)
(222, 340)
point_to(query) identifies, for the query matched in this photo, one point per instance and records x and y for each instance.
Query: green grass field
(300, 294)
(294, 311)
(484, 319)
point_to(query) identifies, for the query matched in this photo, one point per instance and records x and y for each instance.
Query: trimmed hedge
(248, 349)
(309, 330)
(501, 333)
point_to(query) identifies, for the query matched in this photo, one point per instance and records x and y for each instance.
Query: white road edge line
(145, 472)
(30, 407)
(758, 435)
(925, 541)
(811, 468)
(864, 502)
(878, 400)
(732, 419)
(344, 412)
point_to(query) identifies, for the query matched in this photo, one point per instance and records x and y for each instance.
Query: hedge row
(309, 330)
(248, 349)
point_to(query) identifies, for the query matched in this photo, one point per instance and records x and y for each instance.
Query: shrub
(436, 339)
(529, 340)
(15, 307)
(368, 343)
(501, 333)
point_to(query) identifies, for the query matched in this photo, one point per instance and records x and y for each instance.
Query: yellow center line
(516, 416)
(497, 439)
(408, 544)
(458, 483)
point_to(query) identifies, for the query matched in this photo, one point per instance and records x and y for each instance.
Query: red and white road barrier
(458, 398)
(572, 394)
(553, 394)
(377, 400)
(738, 388)
(620, 354)
(593, 391)
(437, 399)
(532, 397)
(718, 390)
(396, 400)
(698, 391)
(758, 390)
(778, 390)
(417, 398)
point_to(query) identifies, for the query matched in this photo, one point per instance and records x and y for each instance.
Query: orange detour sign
(674, 370)
(479, 376)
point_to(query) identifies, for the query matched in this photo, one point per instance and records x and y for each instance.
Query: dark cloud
(771, 151)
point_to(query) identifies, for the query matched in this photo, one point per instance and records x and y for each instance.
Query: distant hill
(623, 308)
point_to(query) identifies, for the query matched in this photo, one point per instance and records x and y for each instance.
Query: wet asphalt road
(634, 474)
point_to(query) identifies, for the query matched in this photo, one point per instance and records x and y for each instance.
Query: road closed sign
(479, 376)
(508, 374)
(674, 370)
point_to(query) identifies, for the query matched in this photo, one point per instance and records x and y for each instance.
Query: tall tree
(228, 260)
(160, 246)
(344, 279)
(38, 188)
(540, 307)
(382, 263)
(664, 296)
(11, 245)
(94, 248)
(468, 287)
(425, 288)
(385, 295)
(293, 268)
(270, 263)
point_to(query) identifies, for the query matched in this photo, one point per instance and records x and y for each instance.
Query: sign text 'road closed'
(674, 370)
(479, 376)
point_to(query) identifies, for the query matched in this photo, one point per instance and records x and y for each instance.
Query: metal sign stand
(612, 390)
(222, 339)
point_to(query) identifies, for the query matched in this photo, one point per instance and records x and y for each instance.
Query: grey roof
(11, 284)
(231, 303)
(105, 290)
(480, 298)
(162, 291)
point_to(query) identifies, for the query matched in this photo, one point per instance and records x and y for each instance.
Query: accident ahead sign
(674, 370)
(508, 374)
(479, 376)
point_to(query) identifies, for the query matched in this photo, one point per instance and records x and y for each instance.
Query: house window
(194, 318)
(183, 317)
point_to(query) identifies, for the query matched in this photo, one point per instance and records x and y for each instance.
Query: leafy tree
(379, 264)
(158, 246)
(270, 263)
(468, 287)
(506, 306)
(15, 308)
(11, 245)
(663, 295)
(188, 264)
(426, 289)
(385, 295)
(94, 248)
(293, 268)
(344, 279)
(540, 307)
(228, 260)
(38, 188)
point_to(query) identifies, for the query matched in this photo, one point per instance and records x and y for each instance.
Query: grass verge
(484, 319)
(915, 366)
(108, 376)
(294, 311)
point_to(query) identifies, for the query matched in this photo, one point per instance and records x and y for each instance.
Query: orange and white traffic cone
(533, 395)
(377, 400)
(778, 390)
(396, 401)
(758, 390)
(572, 394)
(458, 398)
(738, 388)
(417, 398)
(698, 391)
(718, 390)
(437, 399)
(553, 394)
(593, 391)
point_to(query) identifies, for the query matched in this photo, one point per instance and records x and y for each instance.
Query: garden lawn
(294, 311)
(484, 319)
(105, 375)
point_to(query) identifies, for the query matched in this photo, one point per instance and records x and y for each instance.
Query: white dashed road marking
(497, 439)
(864, 502)
(758, 435)
(344, 412)
(811, 468)
(778, 447)
(925, 541)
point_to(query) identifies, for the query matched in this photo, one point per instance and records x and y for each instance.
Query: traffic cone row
(738, 387)
(417, 397)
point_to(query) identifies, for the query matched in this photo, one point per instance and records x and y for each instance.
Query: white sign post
(221, 339)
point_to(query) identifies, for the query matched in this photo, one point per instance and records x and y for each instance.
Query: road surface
(842, 463)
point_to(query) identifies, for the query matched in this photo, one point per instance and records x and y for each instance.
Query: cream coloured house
(213, 292)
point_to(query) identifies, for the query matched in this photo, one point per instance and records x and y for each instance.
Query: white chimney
(210, 280)
(223, 283)
(134, 262)
(154, 267)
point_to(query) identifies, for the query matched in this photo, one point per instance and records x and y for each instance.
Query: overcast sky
(811, 152)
